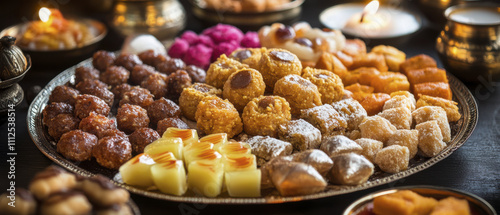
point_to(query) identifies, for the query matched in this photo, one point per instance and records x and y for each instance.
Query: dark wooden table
(475, 167)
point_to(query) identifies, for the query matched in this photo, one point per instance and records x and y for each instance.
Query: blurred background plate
(288, 13)
(63, 57)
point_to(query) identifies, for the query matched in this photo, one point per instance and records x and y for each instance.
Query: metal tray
(461, 131)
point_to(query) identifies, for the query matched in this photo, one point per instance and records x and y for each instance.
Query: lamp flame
(371, 8)
(44, 14)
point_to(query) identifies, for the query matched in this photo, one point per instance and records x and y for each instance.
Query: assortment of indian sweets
(307, 110)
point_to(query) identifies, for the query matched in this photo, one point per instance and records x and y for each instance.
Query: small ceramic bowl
(477, 205)
(288, 14)
(63, 57)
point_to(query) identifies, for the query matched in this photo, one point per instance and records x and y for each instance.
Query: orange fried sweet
(374, 103)
(358, 91)
(344, 58)
(417, 62)
(370, 60)
(354, 47)
(429, 74)
(393, 56)
(451, 205)
(403, 202)
(362, 75)
(389, 82)
(329, 62)
(436, 89)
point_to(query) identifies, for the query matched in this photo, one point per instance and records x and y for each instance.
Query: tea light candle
(476, 15)
(386, 22)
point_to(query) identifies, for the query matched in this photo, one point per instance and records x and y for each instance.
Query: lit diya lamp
(371, 21)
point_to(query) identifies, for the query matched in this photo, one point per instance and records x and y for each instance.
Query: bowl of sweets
(421, 200)
(55, 39)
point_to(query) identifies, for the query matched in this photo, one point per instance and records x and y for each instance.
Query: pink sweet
(223, 48)
(178, 48)
(190, 37)
(198, 55)
(205, 40)
(223, 33)
(250, 40)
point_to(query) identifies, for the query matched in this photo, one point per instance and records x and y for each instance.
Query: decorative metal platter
(461, 131)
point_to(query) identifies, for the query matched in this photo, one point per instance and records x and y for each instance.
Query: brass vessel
(470, 51)
(161, 18)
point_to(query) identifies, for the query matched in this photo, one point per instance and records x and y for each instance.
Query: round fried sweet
(96, 88)
(220, 70)
(63, 94)
(55, 108)
(141, 72)
(177, 81)
(61, 124)
(248, 56)
(242, 86)
(77, 145)
(150, 57)
(131, 117)
(215, 115)
(197, 74)
(82, 73)
(263, 115)
(96, 124)
(329, 85)
(86, 104)
(112, 152)
(128, 61)
(121, 89)
(156, 84)
(171, 65)
(113, 133)
(169, 122)
(115, 75)
(299, 92)
(191, 96)
(161, 109)
(137, 96)
(141, 137)
(102, 59)
(276, 64)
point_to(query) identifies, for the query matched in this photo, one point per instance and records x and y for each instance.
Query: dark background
(474, 168)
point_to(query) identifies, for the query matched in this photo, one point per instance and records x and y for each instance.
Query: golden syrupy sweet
(249, 56)
(278, 63)
(215, 115)
(264, 114)
(329, 85)
(242, 86)
(191, 96)
(299, 92)
(220, 70)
